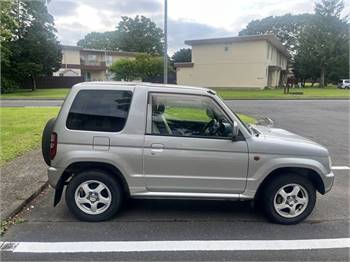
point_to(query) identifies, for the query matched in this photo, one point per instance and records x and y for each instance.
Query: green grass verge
(308, 93)
(198, 115)
(21, 130)
(39, 93)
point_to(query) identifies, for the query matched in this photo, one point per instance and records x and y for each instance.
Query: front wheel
(93, 196)
(289, 199)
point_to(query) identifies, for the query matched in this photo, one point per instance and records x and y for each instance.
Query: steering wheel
(211, 128)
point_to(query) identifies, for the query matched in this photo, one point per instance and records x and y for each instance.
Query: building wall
(98, 75)
(70, 57)
(238, 65)
(275, 57)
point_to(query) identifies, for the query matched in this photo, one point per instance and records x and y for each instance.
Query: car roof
(150, 86)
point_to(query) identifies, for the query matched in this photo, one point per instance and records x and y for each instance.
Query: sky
(187, 19)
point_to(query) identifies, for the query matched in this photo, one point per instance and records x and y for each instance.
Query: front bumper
(54, 175)
(328, 181)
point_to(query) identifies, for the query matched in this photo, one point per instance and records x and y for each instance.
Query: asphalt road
(326, 122)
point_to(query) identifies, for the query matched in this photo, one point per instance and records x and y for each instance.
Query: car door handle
(156, 148)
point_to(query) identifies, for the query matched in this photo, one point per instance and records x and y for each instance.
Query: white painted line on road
(340, 168)
(186, 245)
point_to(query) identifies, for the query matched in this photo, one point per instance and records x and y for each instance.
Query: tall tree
(106, 40)
(35, 49)
(8, 27)
(287, 28)
(139, 34)
(182, 55)
(324, 43)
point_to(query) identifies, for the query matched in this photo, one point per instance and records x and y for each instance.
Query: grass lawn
(39, 93)
(21, 130)
(198, 115)
(308, 93)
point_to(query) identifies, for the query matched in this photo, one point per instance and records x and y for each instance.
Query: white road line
(186, 245)
(340, 168)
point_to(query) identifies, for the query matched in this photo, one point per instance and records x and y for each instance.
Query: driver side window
(188, 116)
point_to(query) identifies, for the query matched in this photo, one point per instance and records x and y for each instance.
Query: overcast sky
(188, 19)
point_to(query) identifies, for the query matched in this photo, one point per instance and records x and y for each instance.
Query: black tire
(271, 190)
(101, 176)
(46, 139)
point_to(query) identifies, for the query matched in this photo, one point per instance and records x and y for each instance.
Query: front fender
(258, 172)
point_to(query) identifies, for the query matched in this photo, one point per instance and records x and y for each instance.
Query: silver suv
(113, 140)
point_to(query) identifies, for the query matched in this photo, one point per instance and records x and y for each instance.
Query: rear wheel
(289, 199)
(93, 196)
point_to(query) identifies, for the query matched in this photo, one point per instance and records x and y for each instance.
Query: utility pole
(165, 41)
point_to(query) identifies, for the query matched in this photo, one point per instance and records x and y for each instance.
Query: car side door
(183, 152)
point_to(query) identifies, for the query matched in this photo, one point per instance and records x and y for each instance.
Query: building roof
(121, 53)
(272, 39)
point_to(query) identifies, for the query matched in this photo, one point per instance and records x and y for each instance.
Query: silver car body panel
(184, 167)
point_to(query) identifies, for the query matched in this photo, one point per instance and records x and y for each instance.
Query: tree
(324, 43)
(287, 28)
(144, 67)
(182, 55)
(34, 46)
(139, 34)
(149, 67)
(104, 41)
(124, 69)
(8, 27)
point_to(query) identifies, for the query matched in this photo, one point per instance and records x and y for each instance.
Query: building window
(268, 51)
(109, 60)
(91, 58)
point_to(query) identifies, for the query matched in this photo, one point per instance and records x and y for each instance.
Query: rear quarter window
(99, 110)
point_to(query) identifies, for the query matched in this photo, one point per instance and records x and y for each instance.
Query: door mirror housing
(235, 131)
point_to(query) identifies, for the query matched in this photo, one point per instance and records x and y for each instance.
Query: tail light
(53, 145)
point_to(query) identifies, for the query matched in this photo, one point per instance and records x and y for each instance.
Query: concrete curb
(11, 213)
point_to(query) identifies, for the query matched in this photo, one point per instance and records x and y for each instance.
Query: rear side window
(99, 110)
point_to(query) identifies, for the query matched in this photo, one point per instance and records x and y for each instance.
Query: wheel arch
(80, 166)
(309, 173)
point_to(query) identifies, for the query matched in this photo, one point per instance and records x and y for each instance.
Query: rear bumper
(328, 181)
(54, 175)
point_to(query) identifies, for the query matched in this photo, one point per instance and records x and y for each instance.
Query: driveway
(198, 222)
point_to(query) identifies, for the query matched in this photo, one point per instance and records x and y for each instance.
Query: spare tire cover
(46, 140)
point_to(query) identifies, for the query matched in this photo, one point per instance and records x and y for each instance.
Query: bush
(8, 86)
(144, 67)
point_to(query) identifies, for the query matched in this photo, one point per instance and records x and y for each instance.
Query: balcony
(92, 65)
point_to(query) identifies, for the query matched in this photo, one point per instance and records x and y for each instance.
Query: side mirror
(235, 131)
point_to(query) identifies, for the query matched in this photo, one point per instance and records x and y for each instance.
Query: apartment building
(254, 61)
(92, 64)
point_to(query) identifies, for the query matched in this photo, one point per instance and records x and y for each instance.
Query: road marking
(186, 245)
(340, 168)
